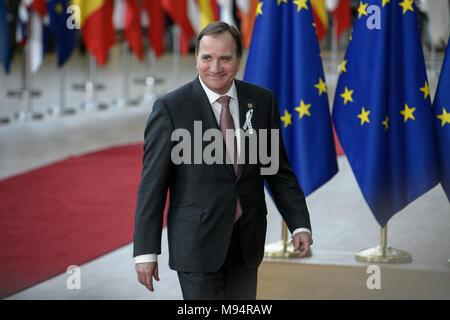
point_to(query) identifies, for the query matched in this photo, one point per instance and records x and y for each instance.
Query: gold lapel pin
(250, 105)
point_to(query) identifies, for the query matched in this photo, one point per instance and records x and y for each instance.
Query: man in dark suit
(216, 220)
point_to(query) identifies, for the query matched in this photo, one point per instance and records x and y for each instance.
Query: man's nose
(215, 66)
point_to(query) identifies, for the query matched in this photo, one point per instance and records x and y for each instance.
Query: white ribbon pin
(248, 121)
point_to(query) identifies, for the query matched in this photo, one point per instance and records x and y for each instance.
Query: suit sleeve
(152, 190)
(287, 194)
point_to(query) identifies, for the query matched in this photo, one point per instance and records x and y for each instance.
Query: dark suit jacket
(203, 197)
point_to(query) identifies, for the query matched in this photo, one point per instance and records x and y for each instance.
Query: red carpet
(65, 214)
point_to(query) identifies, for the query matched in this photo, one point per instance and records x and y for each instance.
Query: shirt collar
(213, 96)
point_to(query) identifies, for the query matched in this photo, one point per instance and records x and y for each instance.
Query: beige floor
(341, 221)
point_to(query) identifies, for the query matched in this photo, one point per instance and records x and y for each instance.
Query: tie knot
(224, 101)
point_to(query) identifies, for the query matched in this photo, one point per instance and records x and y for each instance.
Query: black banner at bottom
(179, 309)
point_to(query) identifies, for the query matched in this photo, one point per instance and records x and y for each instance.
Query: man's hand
(302, 242)
(146, 272)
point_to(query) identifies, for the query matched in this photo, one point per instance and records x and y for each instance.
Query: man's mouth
(217, 75)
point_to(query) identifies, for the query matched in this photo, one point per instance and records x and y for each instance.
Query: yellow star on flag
(287, 118)
(386, 123)
(343, 67)
(362, 9)
(406, 5)
(444, 117)
(59, 8)
(303, 109)
(426, 90)
(259, 8)
(280, 1)
(364, 116)
(321, 86)
(301, 4)
(347, 95)
(408, 113)
(386, 1)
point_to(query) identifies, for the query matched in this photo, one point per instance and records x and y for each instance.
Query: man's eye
(206, 58)
(226, 58)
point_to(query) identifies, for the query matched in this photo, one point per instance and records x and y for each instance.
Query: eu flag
(285, 57)
(65, 37)
(4, 37)
(441, 109)
(382, 109)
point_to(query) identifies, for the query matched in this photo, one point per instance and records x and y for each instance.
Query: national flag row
(33, 20)
(396, 140)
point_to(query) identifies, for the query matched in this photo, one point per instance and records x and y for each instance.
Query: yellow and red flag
(97, 27)
(320, 18)
(209, 12)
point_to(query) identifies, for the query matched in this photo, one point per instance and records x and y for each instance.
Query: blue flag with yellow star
(285, 57)
(65, 37)
(382, 109)
(441, 108)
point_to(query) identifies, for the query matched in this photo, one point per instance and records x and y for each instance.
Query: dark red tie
(226, 122)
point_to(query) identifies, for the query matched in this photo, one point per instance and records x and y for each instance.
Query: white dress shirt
(217, 108)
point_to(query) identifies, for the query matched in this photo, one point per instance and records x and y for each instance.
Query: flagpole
(151, 80)
(151, 61)
(121, 102)
(334, 51)
(19, 93)
(126, 73)
(91, 93)
(126, 100)
(92, 86)
(152, 70)
(61, 108)
(383, 253)
(176, 56)
(28, 113)
(432, 61)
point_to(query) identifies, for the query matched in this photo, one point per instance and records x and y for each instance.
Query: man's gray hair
(219, 27)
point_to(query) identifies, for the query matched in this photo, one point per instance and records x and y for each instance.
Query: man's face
(217, 62)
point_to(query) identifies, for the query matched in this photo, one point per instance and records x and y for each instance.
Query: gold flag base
(282, 249)
(383, 253)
